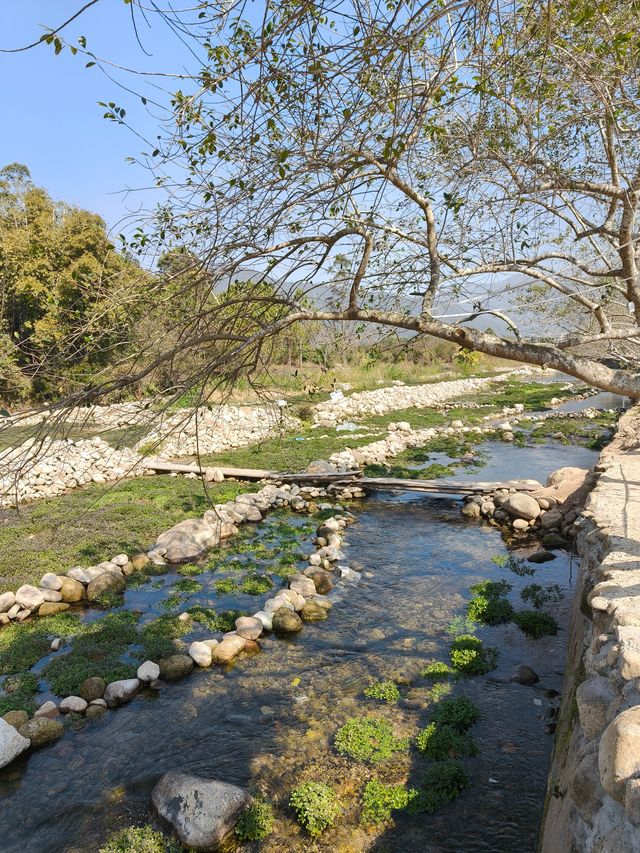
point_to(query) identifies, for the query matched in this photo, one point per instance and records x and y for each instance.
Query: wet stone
(286, 621)
(175, 666)
(92, 688)
(41, 730)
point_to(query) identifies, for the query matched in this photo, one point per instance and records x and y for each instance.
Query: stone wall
(593, 799)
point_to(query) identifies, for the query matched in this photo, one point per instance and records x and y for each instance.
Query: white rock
(120, 560)
(29, 597)
(121, 691)
(7, 601)
(265, 618)
(99, 702)
(200, 653)
(51, 581)
(55, 644)
(77, 573)
(148, 671)
(73, 704)
(11, 743)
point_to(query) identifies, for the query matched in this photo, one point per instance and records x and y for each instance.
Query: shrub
(459, 713)
(142, 839)
(538, 596)
(535, 623)
(315, 806)
(368, 739)
(437, 671)
(441, 741)
(489, 611)
(443, 782)
(256, 822)
(491, 589)
(379, 800)
(469, 655)
(386, 691)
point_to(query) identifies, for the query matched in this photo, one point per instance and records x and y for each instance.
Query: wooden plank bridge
(346, 478)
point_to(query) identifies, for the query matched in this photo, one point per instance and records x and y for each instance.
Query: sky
(51, 120)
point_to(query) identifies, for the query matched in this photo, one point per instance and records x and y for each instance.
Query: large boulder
(7, 600)
(12, 743)
(92, 688)
(286, 621)
(249, 627)
(232, 644)
(175, 666)
(109, 583)
(29, 597)
(41, 730)
(119, 692)
(201, 812)
(50, 608)
(188, 539)
(619, 753)
(521, 505)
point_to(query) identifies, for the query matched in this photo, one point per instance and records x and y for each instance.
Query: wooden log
(163, 467)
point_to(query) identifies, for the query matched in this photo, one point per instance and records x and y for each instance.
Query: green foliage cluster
(188, 586)
(442, 783)
(19, 693)
(516, 565)
(256, 584)
(315, 806)
(538, 596)
(379, 800)
(22, 645)
(535, 624)
(369, 739)
(489, 604)
(459, 713)
(438, 671)
(142, 839)
(469, 656)
(225, 586)
(97, 649)
(256, 822)
(386, 691)
(442, 741)
(157, 636)
(224, 620)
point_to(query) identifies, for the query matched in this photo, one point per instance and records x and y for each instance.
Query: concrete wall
(593, 798)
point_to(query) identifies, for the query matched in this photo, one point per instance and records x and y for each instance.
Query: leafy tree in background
(67, 298)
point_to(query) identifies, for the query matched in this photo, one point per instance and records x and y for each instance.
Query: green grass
(20, 691)
(379, 800)
(142, 839)
(93, 523)
(158, 636)
(534, 395)
(369, 739)
(535, 623)
(22, 645)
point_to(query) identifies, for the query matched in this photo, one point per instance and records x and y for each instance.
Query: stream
(268, 721)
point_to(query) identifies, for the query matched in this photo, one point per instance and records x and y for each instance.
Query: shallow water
(269, 721)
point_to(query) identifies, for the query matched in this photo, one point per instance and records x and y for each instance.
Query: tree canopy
(454, 153)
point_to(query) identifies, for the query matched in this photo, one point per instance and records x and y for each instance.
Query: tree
(454, 152)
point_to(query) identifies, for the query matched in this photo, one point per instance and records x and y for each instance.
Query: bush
(443, 782)
(386, 691)
(441, 741)
(315, 806)
(535, 623)
(142, 839)
(459, 713)
(256, 822)
(468, 655)
(437, 671)
(489, 604)
(379, 800)
(368, 739)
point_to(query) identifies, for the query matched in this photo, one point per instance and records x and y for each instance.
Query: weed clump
(489, 604)
(469, 656)
(379, 800)
(535, 623)
(369, 739)
(20, 690)
(442, 783)
(256, 822)
(158, 636)
(437, 671)
(315, 806)
(386, 691)
(438, 741)
(142, 839)
(539, 596)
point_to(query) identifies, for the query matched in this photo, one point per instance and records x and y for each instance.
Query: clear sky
(51, 120)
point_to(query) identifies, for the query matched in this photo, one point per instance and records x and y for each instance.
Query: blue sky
(51, 120)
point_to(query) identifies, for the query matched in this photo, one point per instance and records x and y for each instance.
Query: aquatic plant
(225, 586)
(379, 800)
(386, 691)
(459, 713)
(256, 584)
(438, 741)
(469, 655)
(142, 839)
(369, 739)
(255, 822)
(539, 596)
(315, 806)
(535, 623)
(437, 671)
(442, 783)
(516, 565)
(187, 586)
(224, 620)
(489, 604)
(23, 644)
(460, 625)
(188, 570)
(20, 690)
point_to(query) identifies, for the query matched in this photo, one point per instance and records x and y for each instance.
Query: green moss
(22, 645)
(386, 691)
(369, 739)
(431, 472)
(225, 586)
(442, 783)
(315, 806)
(256, 822)
(224, 621)
(379, 800)
(539, 596)
(158, 636)
(20, 691)
(96, 650)
(469, 655)
(187, 586)
(437, 741)
(256, 584)
(189, 570)
(535, 624)
(143, 839)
